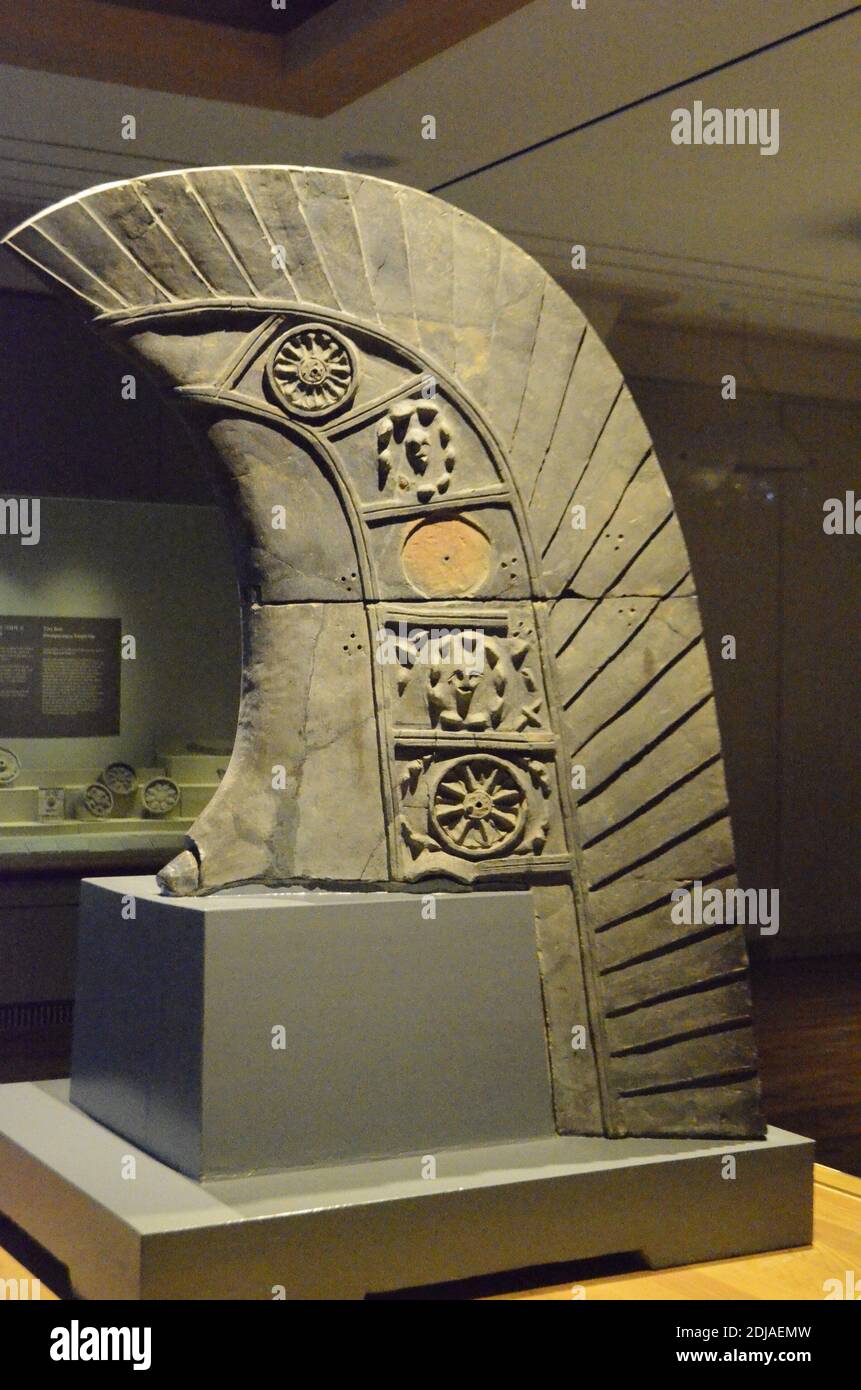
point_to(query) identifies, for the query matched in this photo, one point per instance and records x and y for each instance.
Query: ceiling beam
(340, 54)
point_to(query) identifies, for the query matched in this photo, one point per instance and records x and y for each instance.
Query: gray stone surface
(402, 1032)
(408, 421)
(341, 1232)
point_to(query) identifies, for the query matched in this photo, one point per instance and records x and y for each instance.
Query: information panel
(59, 677)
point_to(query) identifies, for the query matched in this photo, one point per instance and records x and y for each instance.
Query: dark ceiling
(258, 15)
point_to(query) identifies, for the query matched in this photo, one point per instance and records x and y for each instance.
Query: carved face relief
(466, 697)
(463, 683)
(313, 371)
(414, 447)
(463, 679)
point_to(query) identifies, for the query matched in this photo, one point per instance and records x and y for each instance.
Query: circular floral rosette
(99, 800)
(10, 766)
(313, 371)
(160, 796)
(121, 778)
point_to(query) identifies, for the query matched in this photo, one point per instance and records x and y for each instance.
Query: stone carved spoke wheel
(479, 807)
(313, 371)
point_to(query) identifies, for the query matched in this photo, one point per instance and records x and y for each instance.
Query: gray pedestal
(257, 1031)
(413, 1086)
(141, 1230)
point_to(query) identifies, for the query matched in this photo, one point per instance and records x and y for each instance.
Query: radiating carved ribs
(429, 421)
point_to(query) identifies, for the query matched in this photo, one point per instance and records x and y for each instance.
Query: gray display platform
(346, 1230)
(256, 1031)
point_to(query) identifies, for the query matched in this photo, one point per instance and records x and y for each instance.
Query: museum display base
(257, 1030)
(346, 1230)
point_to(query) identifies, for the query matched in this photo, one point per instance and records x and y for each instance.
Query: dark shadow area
(37, 1261)
(35, 1041)
(520, 1280)
(67, 430)
(807, 1018)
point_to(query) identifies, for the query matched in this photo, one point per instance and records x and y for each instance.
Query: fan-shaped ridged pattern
(626, 648)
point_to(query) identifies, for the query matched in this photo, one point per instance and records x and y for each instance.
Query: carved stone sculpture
(472, 647)
(120, 778)
(98, 800)
(10, 767)
(160, 796)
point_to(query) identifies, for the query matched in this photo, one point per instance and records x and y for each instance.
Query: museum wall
(164, 569)
(65, 426)
(749, 476)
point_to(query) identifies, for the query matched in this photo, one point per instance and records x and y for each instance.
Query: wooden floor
(807, 1016)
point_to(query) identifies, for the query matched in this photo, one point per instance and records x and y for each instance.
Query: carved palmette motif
(472, 646)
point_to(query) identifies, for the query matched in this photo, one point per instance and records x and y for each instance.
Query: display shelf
(142, 844)
(25, 840)
(124, 825)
